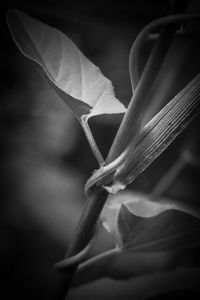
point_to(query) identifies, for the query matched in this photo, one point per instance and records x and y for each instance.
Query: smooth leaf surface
(138, 203)
(75, 78)
(168, 240)
(165, 231)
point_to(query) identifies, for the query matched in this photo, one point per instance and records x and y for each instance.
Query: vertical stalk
(85, 229)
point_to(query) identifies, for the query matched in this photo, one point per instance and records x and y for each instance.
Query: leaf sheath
(159, 133)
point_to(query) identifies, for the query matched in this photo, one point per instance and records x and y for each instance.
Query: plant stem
(82, 235)
(91, 141)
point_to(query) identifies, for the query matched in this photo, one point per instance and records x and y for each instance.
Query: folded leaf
(75, 78)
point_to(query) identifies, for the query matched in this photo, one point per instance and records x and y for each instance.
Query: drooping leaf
(74, 77)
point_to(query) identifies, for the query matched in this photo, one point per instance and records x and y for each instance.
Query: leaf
(138, 203)
(168, 229)
(76, 79)
(166, 241)
(141, 205)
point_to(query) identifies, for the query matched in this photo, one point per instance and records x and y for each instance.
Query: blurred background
(45, 158)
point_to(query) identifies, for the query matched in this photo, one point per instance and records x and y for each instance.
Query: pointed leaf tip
(75, 78)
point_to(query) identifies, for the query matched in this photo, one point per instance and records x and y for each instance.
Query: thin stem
(91, 141)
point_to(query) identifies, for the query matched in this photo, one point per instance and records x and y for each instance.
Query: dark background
(45, 159)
